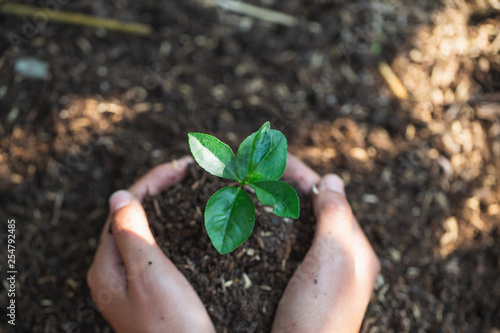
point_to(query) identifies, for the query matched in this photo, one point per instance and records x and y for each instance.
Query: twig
(76, 19)
(253, 11)
(57, 208)
(392, 80)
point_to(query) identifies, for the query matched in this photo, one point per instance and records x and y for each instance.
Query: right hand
(133, 283)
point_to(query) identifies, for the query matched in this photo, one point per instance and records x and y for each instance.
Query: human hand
(331, 289)
(133, 283)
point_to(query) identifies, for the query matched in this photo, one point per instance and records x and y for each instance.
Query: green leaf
(262, 155)
(260, 145)
(280, 195)
(213, 155)
(229, 218)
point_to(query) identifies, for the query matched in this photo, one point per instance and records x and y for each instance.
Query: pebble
(370, 198)
(32, 68)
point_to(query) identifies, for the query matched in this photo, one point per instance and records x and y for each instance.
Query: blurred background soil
(421, 162)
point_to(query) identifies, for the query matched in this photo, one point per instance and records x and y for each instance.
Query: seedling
(259, 163)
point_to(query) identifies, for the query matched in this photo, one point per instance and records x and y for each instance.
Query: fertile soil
(422, 171)
(268, 258)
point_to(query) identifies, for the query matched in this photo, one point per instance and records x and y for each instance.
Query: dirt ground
(422, 170)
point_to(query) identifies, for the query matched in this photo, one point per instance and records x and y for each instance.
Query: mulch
(421, 173)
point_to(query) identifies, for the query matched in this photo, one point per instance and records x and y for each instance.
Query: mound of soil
(241, 290)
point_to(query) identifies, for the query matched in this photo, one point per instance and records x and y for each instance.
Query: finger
(298, 172)
(333, 212)
(161, 177)
(367, 263)
(131, 232)
(154, 181)
(107, 250)
(107, 270)
(107, 258)
(106, 278)
(107, 281)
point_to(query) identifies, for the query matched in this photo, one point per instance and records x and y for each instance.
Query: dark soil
(422, 173)
(268, 258)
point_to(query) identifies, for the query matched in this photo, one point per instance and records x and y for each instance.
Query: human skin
(138, 289)
(332, 287)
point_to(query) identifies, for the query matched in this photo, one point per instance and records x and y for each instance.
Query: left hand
(330, 290)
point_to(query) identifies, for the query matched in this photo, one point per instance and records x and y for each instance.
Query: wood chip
(449, 238)
(488, 111)
(392, 80)
(157, 207)
(494, 209)
(248, 282)
(260, 13)
(359, 154)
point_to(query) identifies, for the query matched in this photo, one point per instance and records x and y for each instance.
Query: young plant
(259, 163)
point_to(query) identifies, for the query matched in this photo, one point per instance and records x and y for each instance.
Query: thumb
(333, 212)
(130, 228)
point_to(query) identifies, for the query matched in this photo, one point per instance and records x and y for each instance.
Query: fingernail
(333, 183)
(315, 189)
(119, 199)
(181, 162)
(185, 160)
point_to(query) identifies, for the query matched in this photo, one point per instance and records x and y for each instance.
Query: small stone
(395, 254)
(46, 302)
(102, 71)
(370, 198)
(413, 272)
(32, 68)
